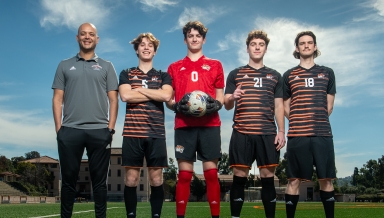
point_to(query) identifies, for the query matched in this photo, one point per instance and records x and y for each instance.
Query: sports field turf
(194, 210)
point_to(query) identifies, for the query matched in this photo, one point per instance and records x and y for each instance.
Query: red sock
(213, 191)
(183, 188)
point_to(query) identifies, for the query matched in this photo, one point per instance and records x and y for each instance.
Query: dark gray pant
(71, 144)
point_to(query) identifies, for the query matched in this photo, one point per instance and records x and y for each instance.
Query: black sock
(157, 198)
(290, 205)
(237, 195)
(328, 199)
(268, 196)
(130, 199)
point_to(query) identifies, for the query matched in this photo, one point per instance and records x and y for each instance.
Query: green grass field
(194, 210)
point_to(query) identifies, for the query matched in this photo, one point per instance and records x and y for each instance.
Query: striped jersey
(255, 110)
(145, 119)
(308, 90)
(206, 75)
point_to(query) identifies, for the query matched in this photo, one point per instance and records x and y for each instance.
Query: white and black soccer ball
(197, 103)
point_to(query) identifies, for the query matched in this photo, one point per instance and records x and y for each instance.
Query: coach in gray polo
(85, 105)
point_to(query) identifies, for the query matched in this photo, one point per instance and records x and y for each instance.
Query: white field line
(87, 211)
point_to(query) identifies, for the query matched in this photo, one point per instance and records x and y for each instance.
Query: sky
(36, 35)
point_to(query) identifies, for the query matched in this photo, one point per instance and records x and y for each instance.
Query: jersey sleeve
(286, 88)
(166, 79)
(112, 84)
(230, 86)
(59, 80)
(124, 78)
(219, 83)
(279, 86)
(332, 82)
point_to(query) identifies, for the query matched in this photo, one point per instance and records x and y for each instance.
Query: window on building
(109, 173)
(109, 187)
(118, 187)
(118, 160)
(53, 165)
(118, 173)
(86, 178)
(141, 173)
(86, 168)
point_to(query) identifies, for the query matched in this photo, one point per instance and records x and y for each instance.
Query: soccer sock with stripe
(328, 199)
(157, 198)
(268, 196)
(213, 191)
(183, 189)
(130, 199)
(290, 205)
(237, 195)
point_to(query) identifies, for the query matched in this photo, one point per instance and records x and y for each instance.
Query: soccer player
(144, 89)
(197, 134)
(256, 92)
(309, 94)
(84, 86)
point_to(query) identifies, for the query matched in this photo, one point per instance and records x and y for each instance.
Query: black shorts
(206, 141)
(305, 152)
(246, 148)
(135, 149)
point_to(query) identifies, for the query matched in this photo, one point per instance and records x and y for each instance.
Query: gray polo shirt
(85, 85)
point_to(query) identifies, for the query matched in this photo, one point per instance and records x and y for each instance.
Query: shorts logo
(206, 67)
(96, 67)
(179, 148)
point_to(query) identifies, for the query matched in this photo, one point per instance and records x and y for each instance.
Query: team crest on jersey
(96, 67)
(321, 76)
(155, 78)
(179, 148)
(206, 67)
(269, 76)
(246, 76)
(135, 77)
(297, 77)
(183, 68)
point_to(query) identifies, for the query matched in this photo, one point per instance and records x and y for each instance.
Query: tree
(16, 160)
(280, 170)
(197, 188)
(170, 177)
(355, 177)
(35, 174)
(32, 154)
(380, 173)
(223, 165)
(5, 164)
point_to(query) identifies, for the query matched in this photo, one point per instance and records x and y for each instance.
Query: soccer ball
(197, 103)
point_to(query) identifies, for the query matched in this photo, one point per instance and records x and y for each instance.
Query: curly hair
(136, 41)
(257, 34)
(197, 25)
(305, 33)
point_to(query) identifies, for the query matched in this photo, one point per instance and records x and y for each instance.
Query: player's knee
(131, 181)
(185, 176)
(294, 183)
(156, 181)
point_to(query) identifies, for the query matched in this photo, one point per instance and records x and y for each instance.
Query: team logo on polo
(206, 67)
(179, 148)
(96, 67)
(321, 76)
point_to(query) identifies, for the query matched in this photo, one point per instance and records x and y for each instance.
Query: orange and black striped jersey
(145, 119)
(255, 110)
(308, 90)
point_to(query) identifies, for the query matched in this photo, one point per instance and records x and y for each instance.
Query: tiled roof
(43, 159)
